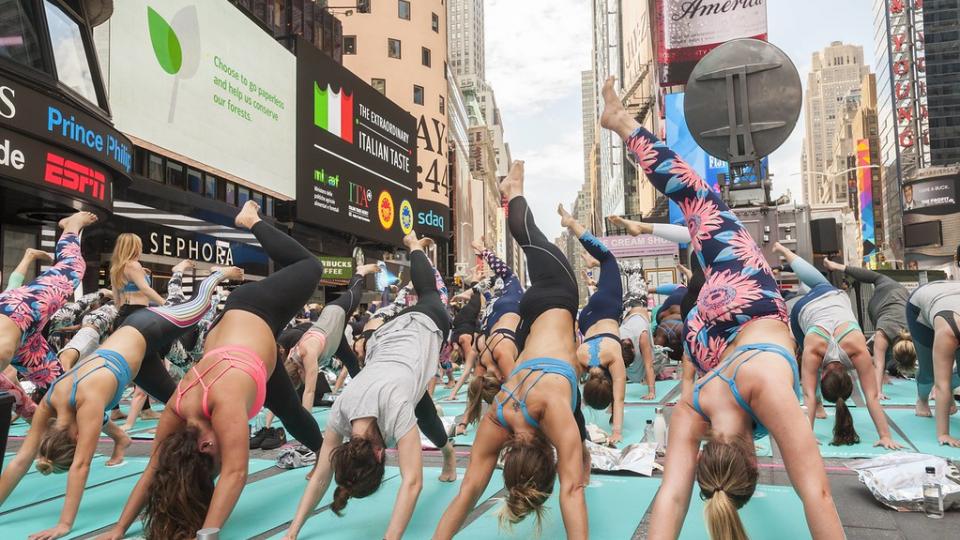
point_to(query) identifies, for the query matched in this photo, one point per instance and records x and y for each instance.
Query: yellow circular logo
(385, 210)
(406, 216)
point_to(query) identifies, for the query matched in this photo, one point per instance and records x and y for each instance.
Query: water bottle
(660, 430)
(932, 495)
(648, 435)
(210, 533)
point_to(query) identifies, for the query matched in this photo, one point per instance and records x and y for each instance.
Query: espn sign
(74, 176)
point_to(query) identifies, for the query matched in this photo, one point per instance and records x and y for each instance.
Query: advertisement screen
(865, 189)
(356, 153)
(689, 29)
(181, 79)
(682, 142)
(933, 196)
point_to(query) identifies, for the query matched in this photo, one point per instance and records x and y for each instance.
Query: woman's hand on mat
(55, 532)
(615, 438)
(888, 443)
(947, 440)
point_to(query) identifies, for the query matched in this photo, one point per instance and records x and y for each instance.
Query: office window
(435, 22)
(393, 48)
(363, 6)
(269, 206)
(69, 53)
(443, 105)
(210, 190)
(418, 94)
(243, 195)
(380, 85)
(258, 198)
(230, 193)
(155, 168)
(175, 175)
(349, 44)
(403, 9)
(21, 44)
(425, 56)
(195, 181)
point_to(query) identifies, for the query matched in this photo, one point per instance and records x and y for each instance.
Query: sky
(536, 49)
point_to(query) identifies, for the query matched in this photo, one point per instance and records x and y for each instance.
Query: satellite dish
(743, 100)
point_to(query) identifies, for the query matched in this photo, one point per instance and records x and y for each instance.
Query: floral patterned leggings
(32, 305)
(740, 286)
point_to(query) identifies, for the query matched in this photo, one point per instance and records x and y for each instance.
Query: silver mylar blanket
(896, 480)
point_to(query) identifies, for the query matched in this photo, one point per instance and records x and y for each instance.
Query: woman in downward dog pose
(384, 405)
(635, 343)
(67, 424)
(464, 334)
(203, 430)
(833, 344)
(887, 311)
(499, 349)
(600, 356)
(933, 312)
(538, 408)
(25, 310)
(738, 338)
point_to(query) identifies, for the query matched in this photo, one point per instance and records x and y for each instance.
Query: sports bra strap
(247, 361)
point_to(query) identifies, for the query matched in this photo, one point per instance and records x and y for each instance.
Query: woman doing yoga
(25, 310)
(66, 426)
(132, 286)
(933, 312)
(538, 408)
(465, 329)
(600, 355)
(887, 312)
(824, 325)
(738, 338)
(384, 405)
(203, 431)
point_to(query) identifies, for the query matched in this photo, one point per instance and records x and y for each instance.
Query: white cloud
(535, 51)
(554, 173)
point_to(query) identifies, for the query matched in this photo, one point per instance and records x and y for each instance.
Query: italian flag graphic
(333, 111)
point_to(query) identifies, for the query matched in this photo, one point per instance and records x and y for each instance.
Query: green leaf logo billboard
(166, 44)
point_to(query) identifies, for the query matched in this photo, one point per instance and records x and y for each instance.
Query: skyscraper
(941, 26)
(587, 99)
(835, 73)
(467, 58)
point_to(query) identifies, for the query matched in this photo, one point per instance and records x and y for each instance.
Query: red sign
(909, 73)
(73, 176)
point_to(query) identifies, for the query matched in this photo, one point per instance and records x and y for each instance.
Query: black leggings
(553, 284)
(280, 296)
(348, 302)
(276, 299)
(428, 297)
(428, 420)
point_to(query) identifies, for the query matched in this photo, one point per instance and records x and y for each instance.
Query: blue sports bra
(131, 287)
(593, 346)
(542, 366)
(759, 430)
(112, 362)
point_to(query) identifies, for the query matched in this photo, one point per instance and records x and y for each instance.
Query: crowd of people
(530, 356)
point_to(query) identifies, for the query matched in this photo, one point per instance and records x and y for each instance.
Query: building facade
(941, 28)
(836, 71)
(400, 48)
(607, 60)
(467, 45)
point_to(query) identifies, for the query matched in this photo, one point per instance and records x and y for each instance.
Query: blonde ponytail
(723, 521)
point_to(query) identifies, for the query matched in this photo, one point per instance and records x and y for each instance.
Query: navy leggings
(607, 301)
(923, 343)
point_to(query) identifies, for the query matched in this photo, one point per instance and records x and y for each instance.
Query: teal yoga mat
(19, 428)
(368, 518)
(635, 391)
(773, 513)
(615, 505)
(823, 429)
(922, 432)
(34, 488)
(900, 392)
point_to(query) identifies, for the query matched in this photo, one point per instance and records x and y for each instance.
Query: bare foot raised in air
(76, 222)
(416, 244)
(590, 261)
(613, 111)
(634, 228)
(233, 273)
(449, 471)
(566, 220)
(183, 266)
(249, 215)
(512, 185)
(39, 255)
(923, 408)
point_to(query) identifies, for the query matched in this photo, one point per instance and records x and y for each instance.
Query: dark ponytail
(357, 469)
(481, 390)
(836, 387)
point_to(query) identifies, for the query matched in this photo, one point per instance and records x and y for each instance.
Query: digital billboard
(356, 153)
(865, 189)
(688, 29)
(181, 78)
(931, 196)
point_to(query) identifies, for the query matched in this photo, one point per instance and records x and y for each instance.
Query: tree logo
(166, 44)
